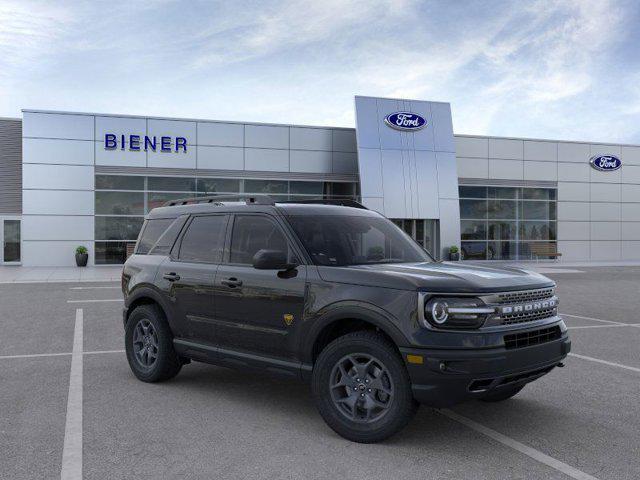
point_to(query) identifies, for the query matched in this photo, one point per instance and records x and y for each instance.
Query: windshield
(355, 240)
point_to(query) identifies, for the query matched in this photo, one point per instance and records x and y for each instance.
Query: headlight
(453, 312)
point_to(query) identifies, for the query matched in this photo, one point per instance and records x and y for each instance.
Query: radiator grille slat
(533, 337)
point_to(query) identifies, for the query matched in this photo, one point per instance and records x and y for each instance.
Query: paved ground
(20, 274)
(582, 421)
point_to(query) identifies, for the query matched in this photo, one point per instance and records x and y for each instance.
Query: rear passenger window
(151, 232)
(253, 233)
(168, 238)
(204, 239)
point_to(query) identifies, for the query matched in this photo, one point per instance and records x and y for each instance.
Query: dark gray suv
(338, 296)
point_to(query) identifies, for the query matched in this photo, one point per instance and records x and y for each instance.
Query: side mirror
(272, 260)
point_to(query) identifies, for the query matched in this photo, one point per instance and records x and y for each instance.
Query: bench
(544, 250)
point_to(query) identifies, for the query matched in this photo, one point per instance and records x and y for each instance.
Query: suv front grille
(534, 337)
(525, 295)
(513, 318)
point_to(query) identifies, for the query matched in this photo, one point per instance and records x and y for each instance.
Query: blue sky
(547, 69)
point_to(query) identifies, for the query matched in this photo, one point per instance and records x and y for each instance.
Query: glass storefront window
(119, 182)
(117, 228)
(119, 203)
(265, 186)
(171, 184)
(218, 185)
(306, 188)
(110, 253)
(503, 226)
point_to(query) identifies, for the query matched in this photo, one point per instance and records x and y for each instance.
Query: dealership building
(70, 179)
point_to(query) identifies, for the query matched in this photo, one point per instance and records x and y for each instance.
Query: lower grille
(534, 337)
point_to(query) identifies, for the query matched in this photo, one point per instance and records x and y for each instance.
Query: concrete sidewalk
(19, 274)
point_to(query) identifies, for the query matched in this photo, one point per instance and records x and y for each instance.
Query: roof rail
(334, 201)
(249, 200)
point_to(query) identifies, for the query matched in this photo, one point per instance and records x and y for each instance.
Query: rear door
(256, 309)
(188, 276)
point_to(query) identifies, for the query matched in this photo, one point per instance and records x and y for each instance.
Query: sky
(566, 69)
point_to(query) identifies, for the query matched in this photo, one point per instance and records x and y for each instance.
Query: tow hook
(560, 365)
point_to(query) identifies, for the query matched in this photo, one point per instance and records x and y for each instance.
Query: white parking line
(96, 301)
(605, 362)
(100, 352)
(95, 288)
(604, 326)
(591, 318)
(520, 447)
(72, 450)
(62, 354)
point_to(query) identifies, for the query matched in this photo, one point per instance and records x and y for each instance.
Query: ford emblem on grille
(405, 121)
(528, 307)
(605, 163)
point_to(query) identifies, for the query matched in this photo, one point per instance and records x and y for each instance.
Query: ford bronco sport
(338, 296)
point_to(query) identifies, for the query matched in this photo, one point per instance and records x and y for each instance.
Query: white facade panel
(57, 177)
(630, 212)
(573, 231)
(64, 152)
(220, 158)
(630, 174)
(425, 139)
(119, 157)
(344, 162)
(266, 136)
(266, 160)
(506, 169)
(473, 167)
(546, 171)
(393, 175)
(573, 192)
(543, 151)
(310, 161)
(605, 212)
(220, 134)
(172, 159)
(574, 250)
(573, 152)
(371, 182)
(55, 227)
(605, 231)
(427, 171)
(57, 125)
(605, 192)
(472, 147)
(597, 176)
(172, 128)
(447, 175)
(630, 231)
(630, 193)
(57, 202)
(344, 141)
(390, 138)
(442, 127)
(630, 250)
(506, 149)
(574, 172)
(449, 224)
(367, 121)
(51, 253)
(630, 155)
(374, 203)
(311, 139)
(573, 211)
(597, 149)
(120, 126)
(606, 250)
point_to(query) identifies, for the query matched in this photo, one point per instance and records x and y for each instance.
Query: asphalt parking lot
(69, 404)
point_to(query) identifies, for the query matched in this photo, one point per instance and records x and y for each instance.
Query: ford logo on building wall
(605, 163)
(405, 121)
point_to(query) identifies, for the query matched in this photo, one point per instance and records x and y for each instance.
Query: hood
(450, 277)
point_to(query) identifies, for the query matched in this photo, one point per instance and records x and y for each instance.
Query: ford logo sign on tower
(405, 121)
(605, 163)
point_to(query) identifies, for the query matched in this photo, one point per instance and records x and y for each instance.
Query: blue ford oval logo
(405, 121)
(605, 163)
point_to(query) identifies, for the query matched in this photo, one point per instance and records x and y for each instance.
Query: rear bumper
(447, 377)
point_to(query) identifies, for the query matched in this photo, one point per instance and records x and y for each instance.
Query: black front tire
(502, 394)
(166, 364)
(401, 408)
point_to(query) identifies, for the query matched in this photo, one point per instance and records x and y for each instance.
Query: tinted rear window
(151, 233)
(204, 239)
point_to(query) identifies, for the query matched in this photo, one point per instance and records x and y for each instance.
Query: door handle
(172, 277)
(232, 282)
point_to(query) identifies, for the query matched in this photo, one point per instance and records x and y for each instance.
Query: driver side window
(252, 233)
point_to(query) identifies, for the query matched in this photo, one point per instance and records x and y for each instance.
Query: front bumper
(447, 376)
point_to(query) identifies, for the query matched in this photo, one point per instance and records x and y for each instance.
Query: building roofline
(402, 99)
(549, 140)
(11, 118)
(181, 119)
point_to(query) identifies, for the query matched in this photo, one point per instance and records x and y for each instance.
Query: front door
(188, 276)
(10, 237)
(256, 309)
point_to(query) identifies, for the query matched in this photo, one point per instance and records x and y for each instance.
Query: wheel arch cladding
(144, 297)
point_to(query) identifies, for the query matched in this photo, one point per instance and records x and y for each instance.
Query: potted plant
(454, 253)
(82, 255)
